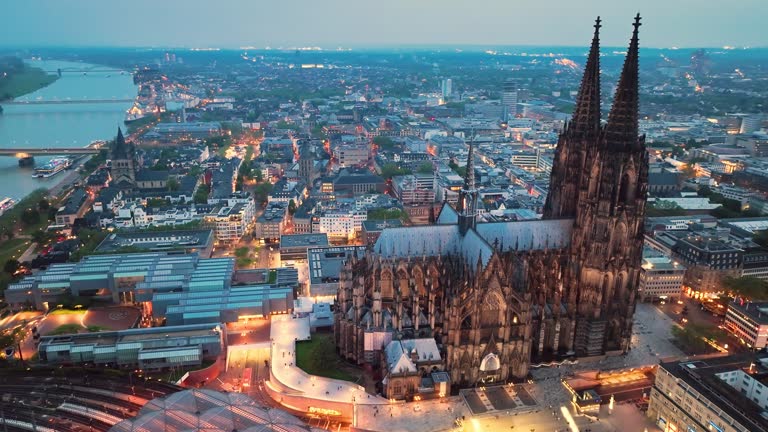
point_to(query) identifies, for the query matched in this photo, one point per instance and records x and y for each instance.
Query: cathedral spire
(119, 147)
(120, 140)
(586, 113)
(622, 128)
(467, 206)
(469, 177)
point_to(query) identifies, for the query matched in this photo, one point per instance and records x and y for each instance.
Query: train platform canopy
(210, 411)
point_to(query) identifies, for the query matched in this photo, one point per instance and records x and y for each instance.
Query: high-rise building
(494, 296)
(750, 123)
(446, 88)
(509, 98)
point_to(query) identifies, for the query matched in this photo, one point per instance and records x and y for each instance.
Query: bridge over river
(66, 101)
(63, 151)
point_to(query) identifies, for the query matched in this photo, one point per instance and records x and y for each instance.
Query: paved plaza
(624, 418)
(651, 337)
(432, 415)
(542, 405)
(112, 317)
(451, 414)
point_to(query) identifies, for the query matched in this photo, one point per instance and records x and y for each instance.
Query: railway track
(72, 400)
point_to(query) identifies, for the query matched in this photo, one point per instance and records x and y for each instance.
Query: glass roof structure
(210, 411)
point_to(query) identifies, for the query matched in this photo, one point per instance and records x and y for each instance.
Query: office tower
(446, 87)
(509, 98)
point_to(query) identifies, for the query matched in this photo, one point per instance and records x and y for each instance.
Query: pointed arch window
(619, 239)
(387, 291)
(404, 283)
(419, 282)
(627, 189)
(594, 179)
(492, 309)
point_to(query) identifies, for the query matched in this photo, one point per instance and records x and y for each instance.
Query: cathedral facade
(498, 296)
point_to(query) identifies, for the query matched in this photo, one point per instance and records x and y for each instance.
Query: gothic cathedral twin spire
(599, 178)
(584, 137)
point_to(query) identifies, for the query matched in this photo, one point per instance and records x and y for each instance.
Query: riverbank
(61, 125)
(21, 80)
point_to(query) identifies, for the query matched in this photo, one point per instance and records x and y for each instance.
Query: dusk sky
(361, 23)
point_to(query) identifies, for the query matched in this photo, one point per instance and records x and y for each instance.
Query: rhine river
(61, 125)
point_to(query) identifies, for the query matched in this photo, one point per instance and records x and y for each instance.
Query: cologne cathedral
(497, 297)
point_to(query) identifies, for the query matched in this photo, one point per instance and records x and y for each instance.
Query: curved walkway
(285, 332)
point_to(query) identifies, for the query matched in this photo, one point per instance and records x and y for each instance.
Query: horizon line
(341, 48)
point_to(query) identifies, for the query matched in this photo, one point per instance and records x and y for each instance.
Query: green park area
(17, 78)
(243, 257)
(17, 230)
(692, 338)
(12, 248)
(318, 357)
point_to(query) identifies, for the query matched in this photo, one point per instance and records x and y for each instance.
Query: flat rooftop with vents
(295, 246)
(189, 241)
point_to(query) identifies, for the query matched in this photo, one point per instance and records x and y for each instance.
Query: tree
(751, 288)
(173, 184)
(426, 168)
(11, 266)
(8, 233)
(157, 202)
(196, 170)
(382, 214)
(384, 142)
(261, 191)
(43, 205)
(30, 216)
(676, 210)
(462, 171)
(41, 236)
(391, 170)
(89, 240)
(201, 194)
(292, 207)
(704, 191)
(689, 339)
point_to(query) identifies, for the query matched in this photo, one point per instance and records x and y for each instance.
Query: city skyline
(424, 215)
(342, 23)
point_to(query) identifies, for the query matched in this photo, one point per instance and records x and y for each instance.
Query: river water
(61, 125)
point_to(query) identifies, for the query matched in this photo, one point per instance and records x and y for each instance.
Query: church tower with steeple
(467, 205)
(123, 156)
